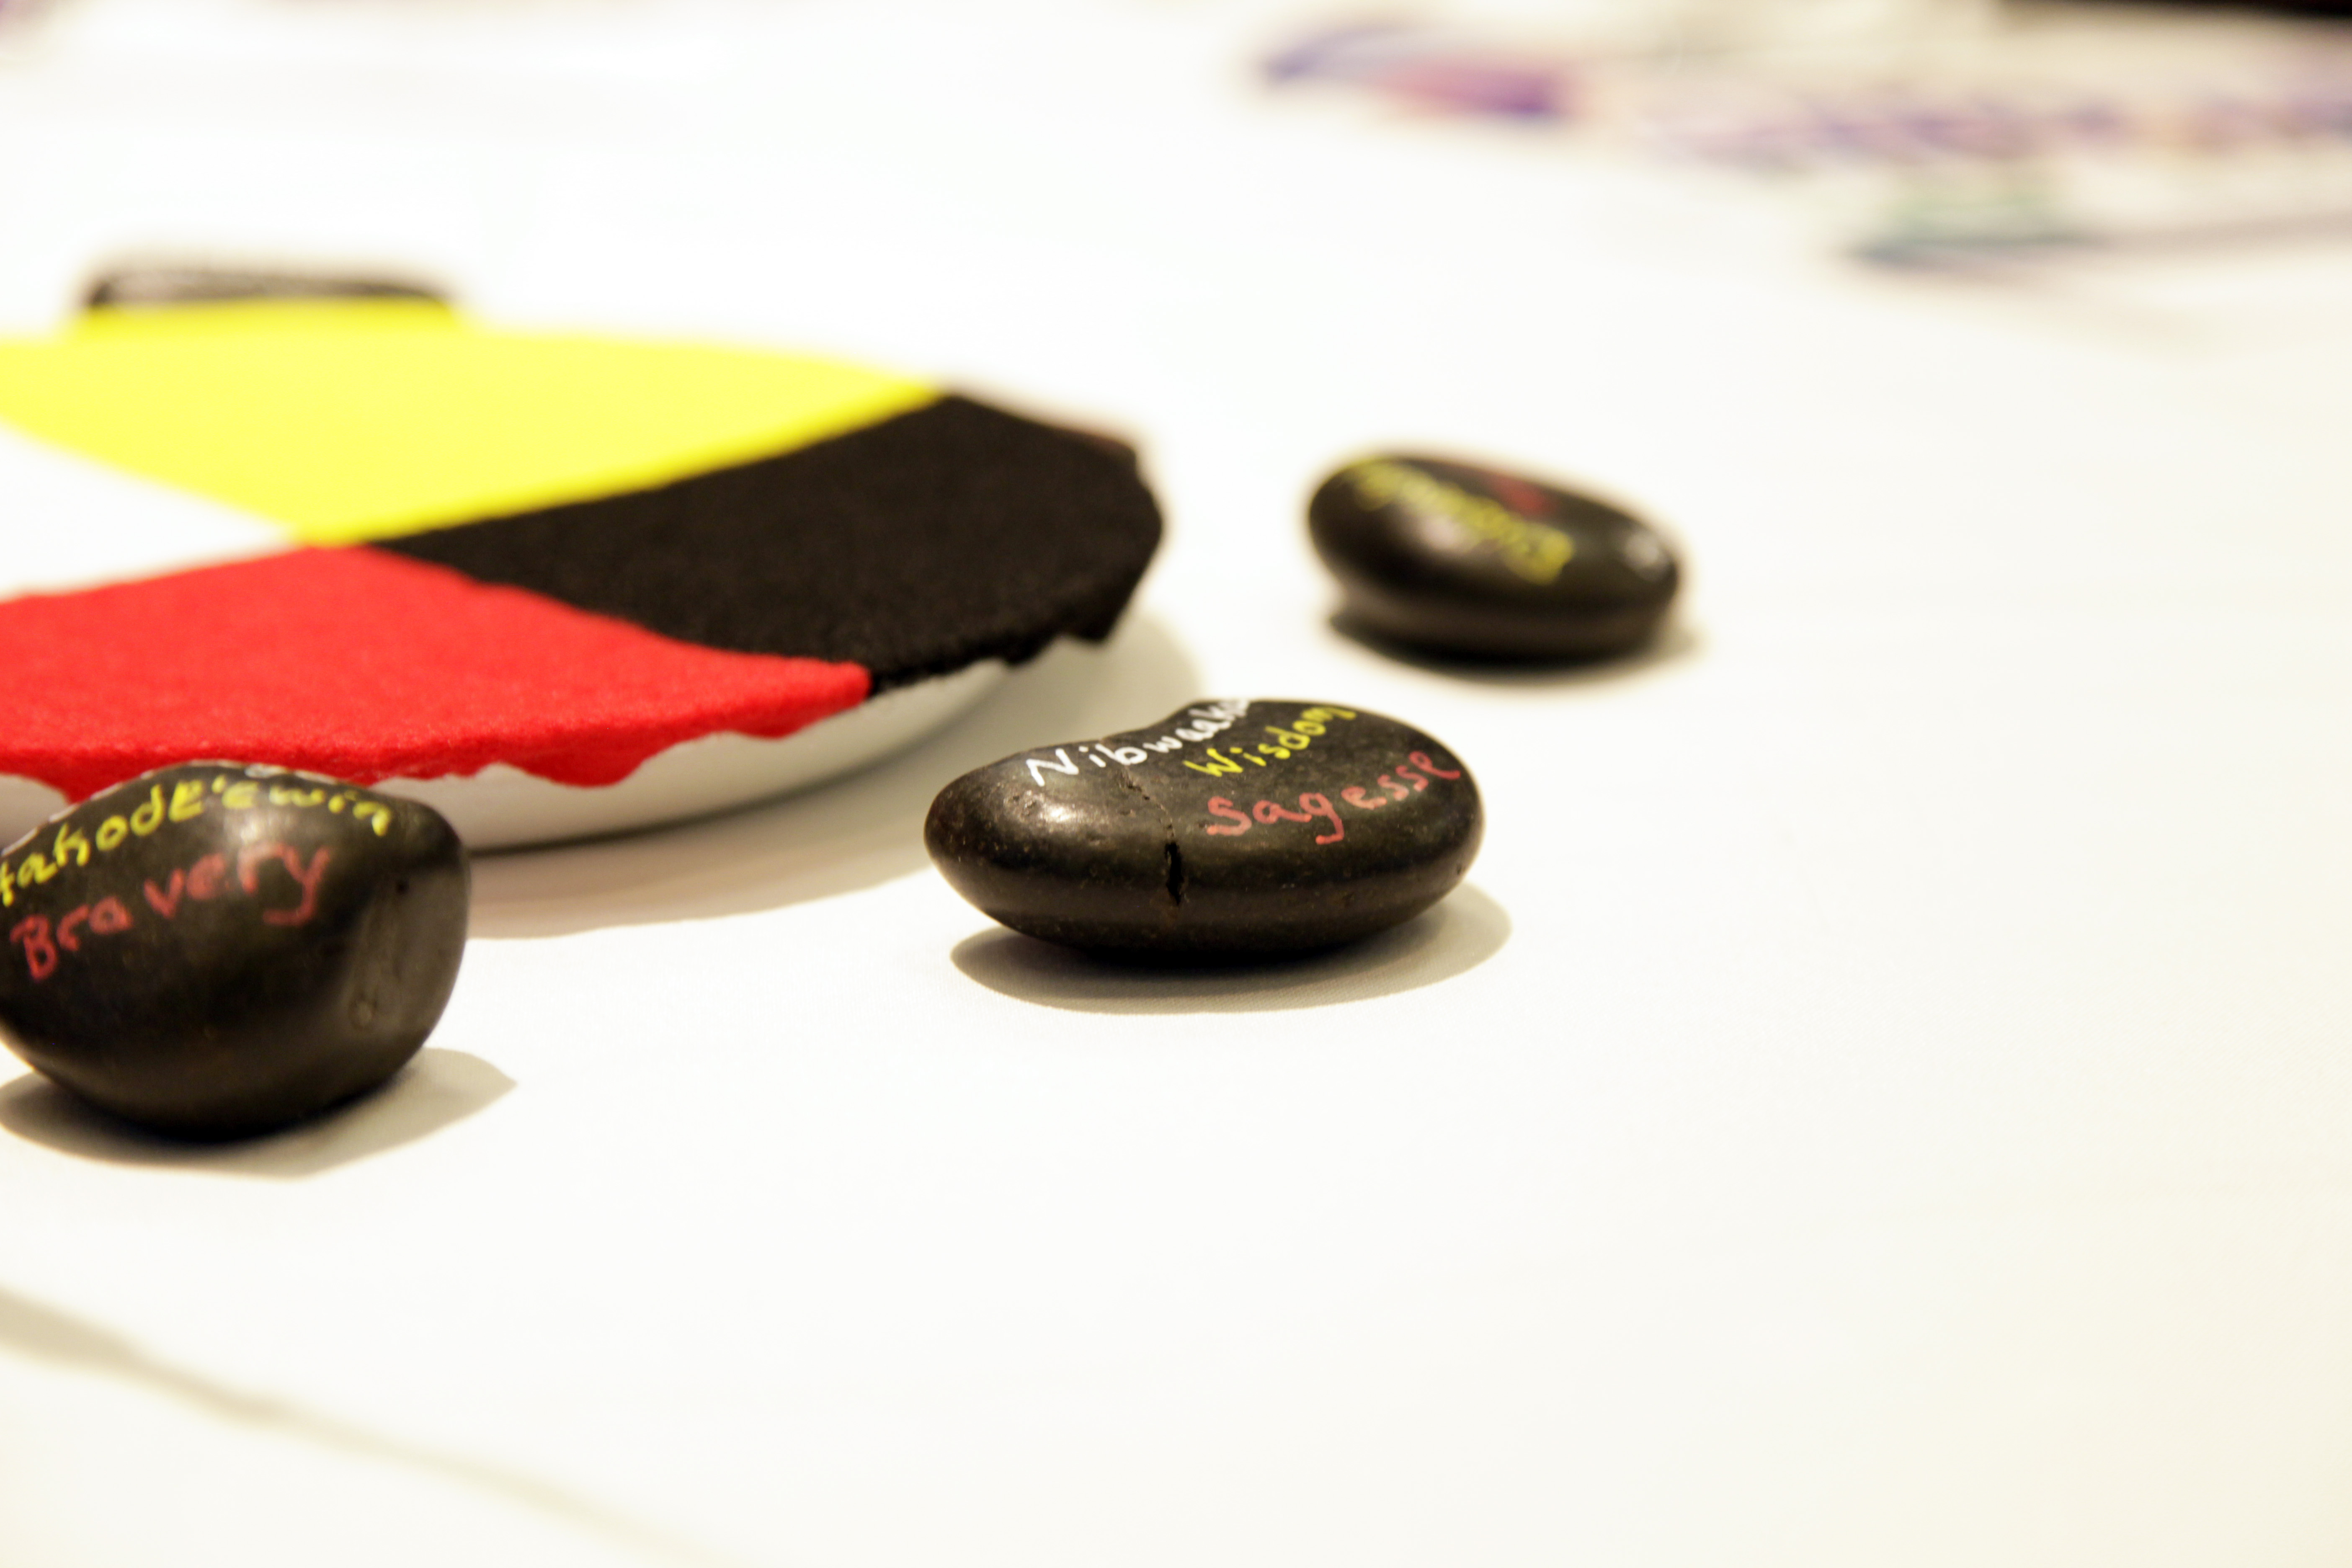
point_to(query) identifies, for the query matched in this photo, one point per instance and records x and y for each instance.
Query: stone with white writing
(1230, 828)
(1456, 560)
(214, 950)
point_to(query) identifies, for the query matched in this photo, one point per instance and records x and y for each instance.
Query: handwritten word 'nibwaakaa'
(1209, 719)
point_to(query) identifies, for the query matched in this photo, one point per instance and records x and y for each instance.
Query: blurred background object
(1927, 136)
(1708, 24)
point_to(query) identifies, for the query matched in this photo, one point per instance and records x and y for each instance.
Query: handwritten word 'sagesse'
(190, 798)
(206, 879)
(1315, 807)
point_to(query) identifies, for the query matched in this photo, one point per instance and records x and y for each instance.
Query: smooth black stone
(1454, 559)
(1230, 828)
(192, 285)
(214, 950)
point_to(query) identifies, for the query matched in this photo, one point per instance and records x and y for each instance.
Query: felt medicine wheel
(552, 585)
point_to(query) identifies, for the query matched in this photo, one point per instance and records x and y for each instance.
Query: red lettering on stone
(1320, 805)
(309, 880)
(1421, 760)
(1418, 782)
(204, 877)
(1220, 806)
(248, 876)
(1267, 811)
(32, 934)
(167, 903)
(73, 917)
(107, 916)
(1354, 795)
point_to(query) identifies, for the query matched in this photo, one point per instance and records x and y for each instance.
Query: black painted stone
(173, 284)
(214, 950)
(1454, 559)
(1229, 828)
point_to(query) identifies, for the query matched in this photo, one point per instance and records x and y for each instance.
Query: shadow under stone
(1465, 928)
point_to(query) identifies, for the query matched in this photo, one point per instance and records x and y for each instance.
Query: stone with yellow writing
(1458, 560)
(1230, 828)
(214, 950)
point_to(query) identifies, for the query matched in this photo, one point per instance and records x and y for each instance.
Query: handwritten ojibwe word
(1535, 550)
(189, 799)
(1313, 807)
(1283, 744)
(1208, 718)
(203, 881)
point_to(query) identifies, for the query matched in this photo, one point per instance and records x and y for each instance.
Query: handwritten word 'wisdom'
(1282, 745)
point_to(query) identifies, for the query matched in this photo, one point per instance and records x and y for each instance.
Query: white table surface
(1880, 1098)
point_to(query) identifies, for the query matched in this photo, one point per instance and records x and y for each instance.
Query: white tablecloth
(1879, 1098)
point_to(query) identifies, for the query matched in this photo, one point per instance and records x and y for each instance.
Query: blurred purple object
(1407, 64)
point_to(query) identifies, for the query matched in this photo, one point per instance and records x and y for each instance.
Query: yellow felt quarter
(351, 419)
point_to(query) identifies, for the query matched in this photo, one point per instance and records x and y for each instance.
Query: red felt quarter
(365, 665)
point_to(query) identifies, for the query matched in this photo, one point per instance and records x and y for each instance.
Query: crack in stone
(1172, 856)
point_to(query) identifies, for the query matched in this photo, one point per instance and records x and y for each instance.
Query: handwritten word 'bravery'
(189, 798)
(1209, 719)
(203, 881)
(1531, 550)
(1313, 807)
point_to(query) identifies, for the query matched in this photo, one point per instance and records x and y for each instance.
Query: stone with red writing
(214, 950)
(1230, 828)
(1458, 560)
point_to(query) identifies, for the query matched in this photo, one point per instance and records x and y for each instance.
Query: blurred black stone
(132, 287)
(1469, 562)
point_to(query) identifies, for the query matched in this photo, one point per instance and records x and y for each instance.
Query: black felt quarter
(913, 547)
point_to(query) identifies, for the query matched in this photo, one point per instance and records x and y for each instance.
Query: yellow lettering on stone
(1534, 551)
(1217, 763)
(69, 842)
(1540, 553)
